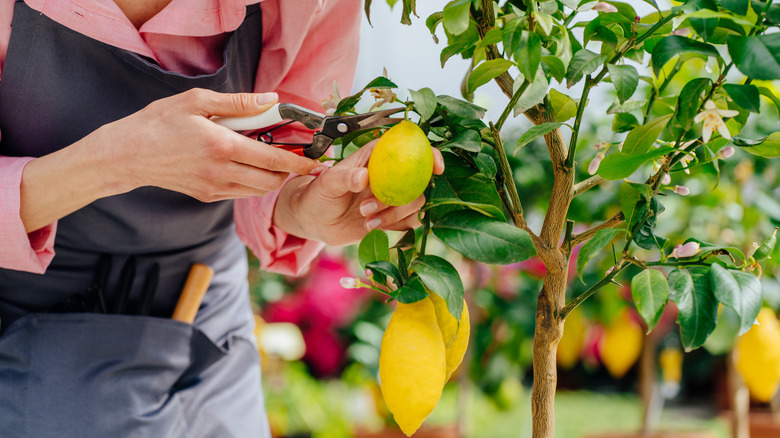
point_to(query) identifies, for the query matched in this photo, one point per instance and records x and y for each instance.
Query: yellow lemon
(412, 364)
(401, 164)
(570, 345)
(454, 335)
(758, 356)
(622, 345)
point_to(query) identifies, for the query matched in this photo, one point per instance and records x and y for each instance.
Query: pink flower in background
(320, 306)
(324, 351)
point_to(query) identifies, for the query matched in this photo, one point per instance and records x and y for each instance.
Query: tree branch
(586, 235)
(583, 186)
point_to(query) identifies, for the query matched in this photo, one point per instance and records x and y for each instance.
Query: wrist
(287, 214)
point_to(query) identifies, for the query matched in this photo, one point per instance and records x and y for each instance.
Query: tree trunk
(648, 386)
(549, 329)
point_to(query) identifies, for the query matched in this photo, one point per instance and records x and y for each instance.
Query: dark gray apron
(108, 375)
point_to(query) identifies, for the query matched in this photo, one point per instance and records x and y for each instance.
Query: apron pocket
(88, 374)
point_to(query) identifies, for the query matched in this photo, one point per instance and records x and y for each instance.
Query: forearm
(60, 183)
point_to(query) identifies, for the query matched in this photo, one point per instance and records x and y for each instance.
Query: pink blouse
(307, 45)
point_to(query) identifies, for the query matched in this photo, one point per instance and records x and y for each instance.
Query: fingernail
(368, 208)
(264, 98)
(358, 176)
(317, 170)
(373, 223)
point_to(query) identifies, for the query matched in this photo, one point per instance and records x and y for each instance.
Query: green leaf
(690, 289)
(621, 165)
(486, 71)
(536, 132)
(746, 96)
(738, 7)
(375, 246)
(624, 122)
(766, 92)
(722, 339)
(583, 63)
(485, 209)
(626, 107)
(704, 27)
(456, 16)
(533, 95)
(595, 245)
(411, 292)
(650, 292)
(639, 140)
(632, 199)
(424, 102)
(556, 66)
(384, 269)
(441, 277)
(674, 45)
(473, 189)
(461, 108)
(625, 78)
(466, 139)
(528, 54)
(380, 82)
(563, 106)
(511, 34)
(689, 101)
(643, 232)
(484, 239)
(739, 290)
(767, 147)
(758, 57)
(486, 164)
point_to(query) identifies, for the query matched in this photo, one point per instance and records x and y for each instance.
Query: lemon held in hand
(400, 165)
(412, 364)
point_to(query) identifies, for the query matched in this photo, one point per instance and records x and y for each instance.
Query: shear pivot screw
(342, 127)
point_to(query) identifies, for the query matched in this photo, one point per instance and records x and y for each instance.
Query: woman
(111, 171)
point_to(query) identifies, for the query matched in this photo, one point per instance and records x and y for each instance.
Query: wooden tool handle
(195, 287)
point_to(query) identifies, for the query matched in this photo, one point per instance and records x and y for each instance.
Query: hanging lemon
(412, 364)
(401, 164)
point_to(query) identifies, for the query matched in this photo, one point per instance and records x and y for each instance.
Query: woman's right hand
(170, 144)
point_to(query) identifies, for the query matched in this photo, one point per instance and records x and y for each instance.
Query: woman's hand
(170, 144)
(338, 208)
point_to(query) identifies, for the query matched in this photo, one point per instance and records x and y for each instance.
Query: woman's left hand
(337, 206)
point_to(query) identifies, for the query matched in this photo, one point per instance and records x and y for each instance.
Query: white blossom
(332, 102)
(712, 117)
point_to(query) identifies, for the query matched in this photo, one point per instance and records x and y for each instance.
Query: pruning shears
(329, 127)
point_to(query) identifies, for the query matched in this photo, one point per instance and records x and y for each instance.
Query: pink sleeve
(19, 250)
(303, 54)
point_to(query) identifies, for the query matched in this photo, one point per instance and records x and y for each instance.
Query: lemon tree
(684, 88)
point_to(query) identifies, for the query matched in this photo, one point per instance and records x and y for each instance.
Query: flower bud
(666, 179)
(593, 167)
(605, 7)
(349, 282)
(726, 152)
(689, 249)
(682, 31)
(682, 190)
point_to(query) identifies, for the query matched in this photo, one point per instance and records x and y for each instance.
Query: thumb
(339, 181)
(237, 104)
